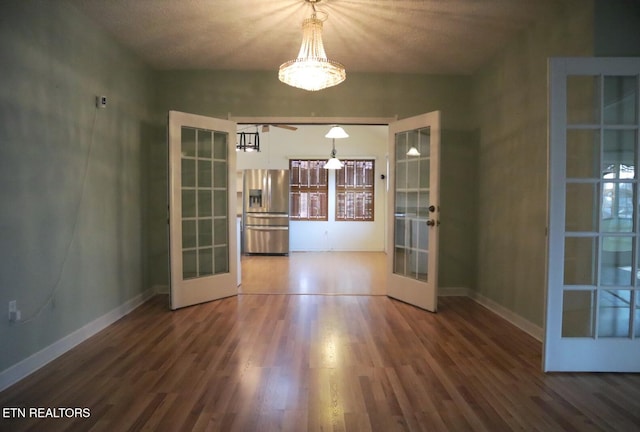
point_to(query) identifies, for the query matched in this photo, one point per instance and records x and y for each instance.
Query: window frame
(312, 190)
(362, 188)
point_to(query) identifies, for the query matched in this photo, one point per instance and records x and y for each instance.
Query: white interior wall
(308, 142)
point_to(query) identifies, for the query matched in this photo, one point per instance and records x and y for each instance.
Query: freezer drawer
(266, 240)
(267, 219)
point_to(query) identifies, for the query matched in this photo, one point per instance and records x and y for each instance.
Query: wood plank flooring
(351, 273)
(318, 363)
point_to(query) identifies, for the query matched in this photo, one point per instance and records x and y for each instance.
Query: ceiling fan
(265, 127)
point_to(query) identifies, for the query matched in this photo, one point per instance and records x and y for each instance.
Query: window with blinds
(309, 190)
(355, 190)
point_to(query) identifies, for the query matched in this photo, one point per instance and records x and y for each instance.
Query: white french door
(413, 210)
(592, 318)
(202, 204)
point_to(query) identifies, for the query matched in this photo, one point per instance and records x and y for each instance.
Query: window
(309, 189)
(354, 190)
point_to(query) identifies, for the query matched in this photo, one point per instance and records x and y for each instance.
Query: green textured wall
(72, 238)
(510, 101)
(259, 93)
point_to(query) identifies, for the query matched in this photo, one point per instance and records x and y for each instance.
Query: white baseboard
(160, 289)
(34, 362)
(515, 319)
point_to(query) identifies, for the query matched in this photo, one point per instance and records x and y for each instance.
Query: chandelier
(312, 70)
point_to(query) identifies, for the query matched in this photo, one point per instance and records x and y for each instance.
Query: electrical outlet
(101, 101)
(14, 313)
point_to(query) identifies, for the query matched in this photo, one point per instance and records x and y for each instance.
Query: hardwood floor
(318, 363)
(315, 273)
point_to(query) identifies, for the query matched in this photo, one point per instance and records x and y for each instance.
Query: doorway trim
(312, 120)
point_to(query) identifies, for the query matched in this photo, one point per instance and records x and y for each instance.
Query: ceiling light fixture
(312, 70)
(335, 132)
(413, 151)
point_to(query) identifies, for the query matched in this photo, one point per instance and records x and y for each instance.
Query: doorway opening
(327, 255)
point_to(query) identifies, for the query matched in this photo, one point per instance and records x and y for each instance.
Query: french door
(413, 210)
(202, 204)
(593, 289)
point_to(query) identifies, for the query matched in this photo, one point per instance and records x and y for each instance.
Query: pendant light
(311, 70)
(413, 151)
(335, 132)
(248, 141)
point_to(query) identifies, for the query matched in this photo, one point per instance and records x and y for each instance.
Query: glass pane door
(202, 203)
(414, 149)
(411, 197)
(594, 264)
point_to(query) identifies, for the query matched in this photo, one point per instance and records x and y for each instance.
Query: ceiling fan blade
(288, 127)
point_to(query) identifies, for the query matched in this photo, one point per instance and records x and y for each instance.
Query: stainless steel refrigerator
(266, 211)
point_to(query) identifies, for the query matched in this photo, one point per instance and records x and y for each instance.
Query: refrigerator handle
(269, 203)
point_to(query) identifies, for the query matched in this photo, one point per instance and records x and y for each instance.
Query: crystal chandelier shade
(312, 70)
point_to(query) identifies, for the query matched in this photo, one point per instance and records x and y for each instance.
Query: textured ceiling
(402, 36)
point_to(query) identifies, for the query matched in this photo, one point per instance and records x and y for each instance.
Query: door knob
(431, 222)
(432, 208)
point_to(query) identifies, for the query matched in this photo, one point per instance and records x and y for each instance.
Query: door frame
(363, 121)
